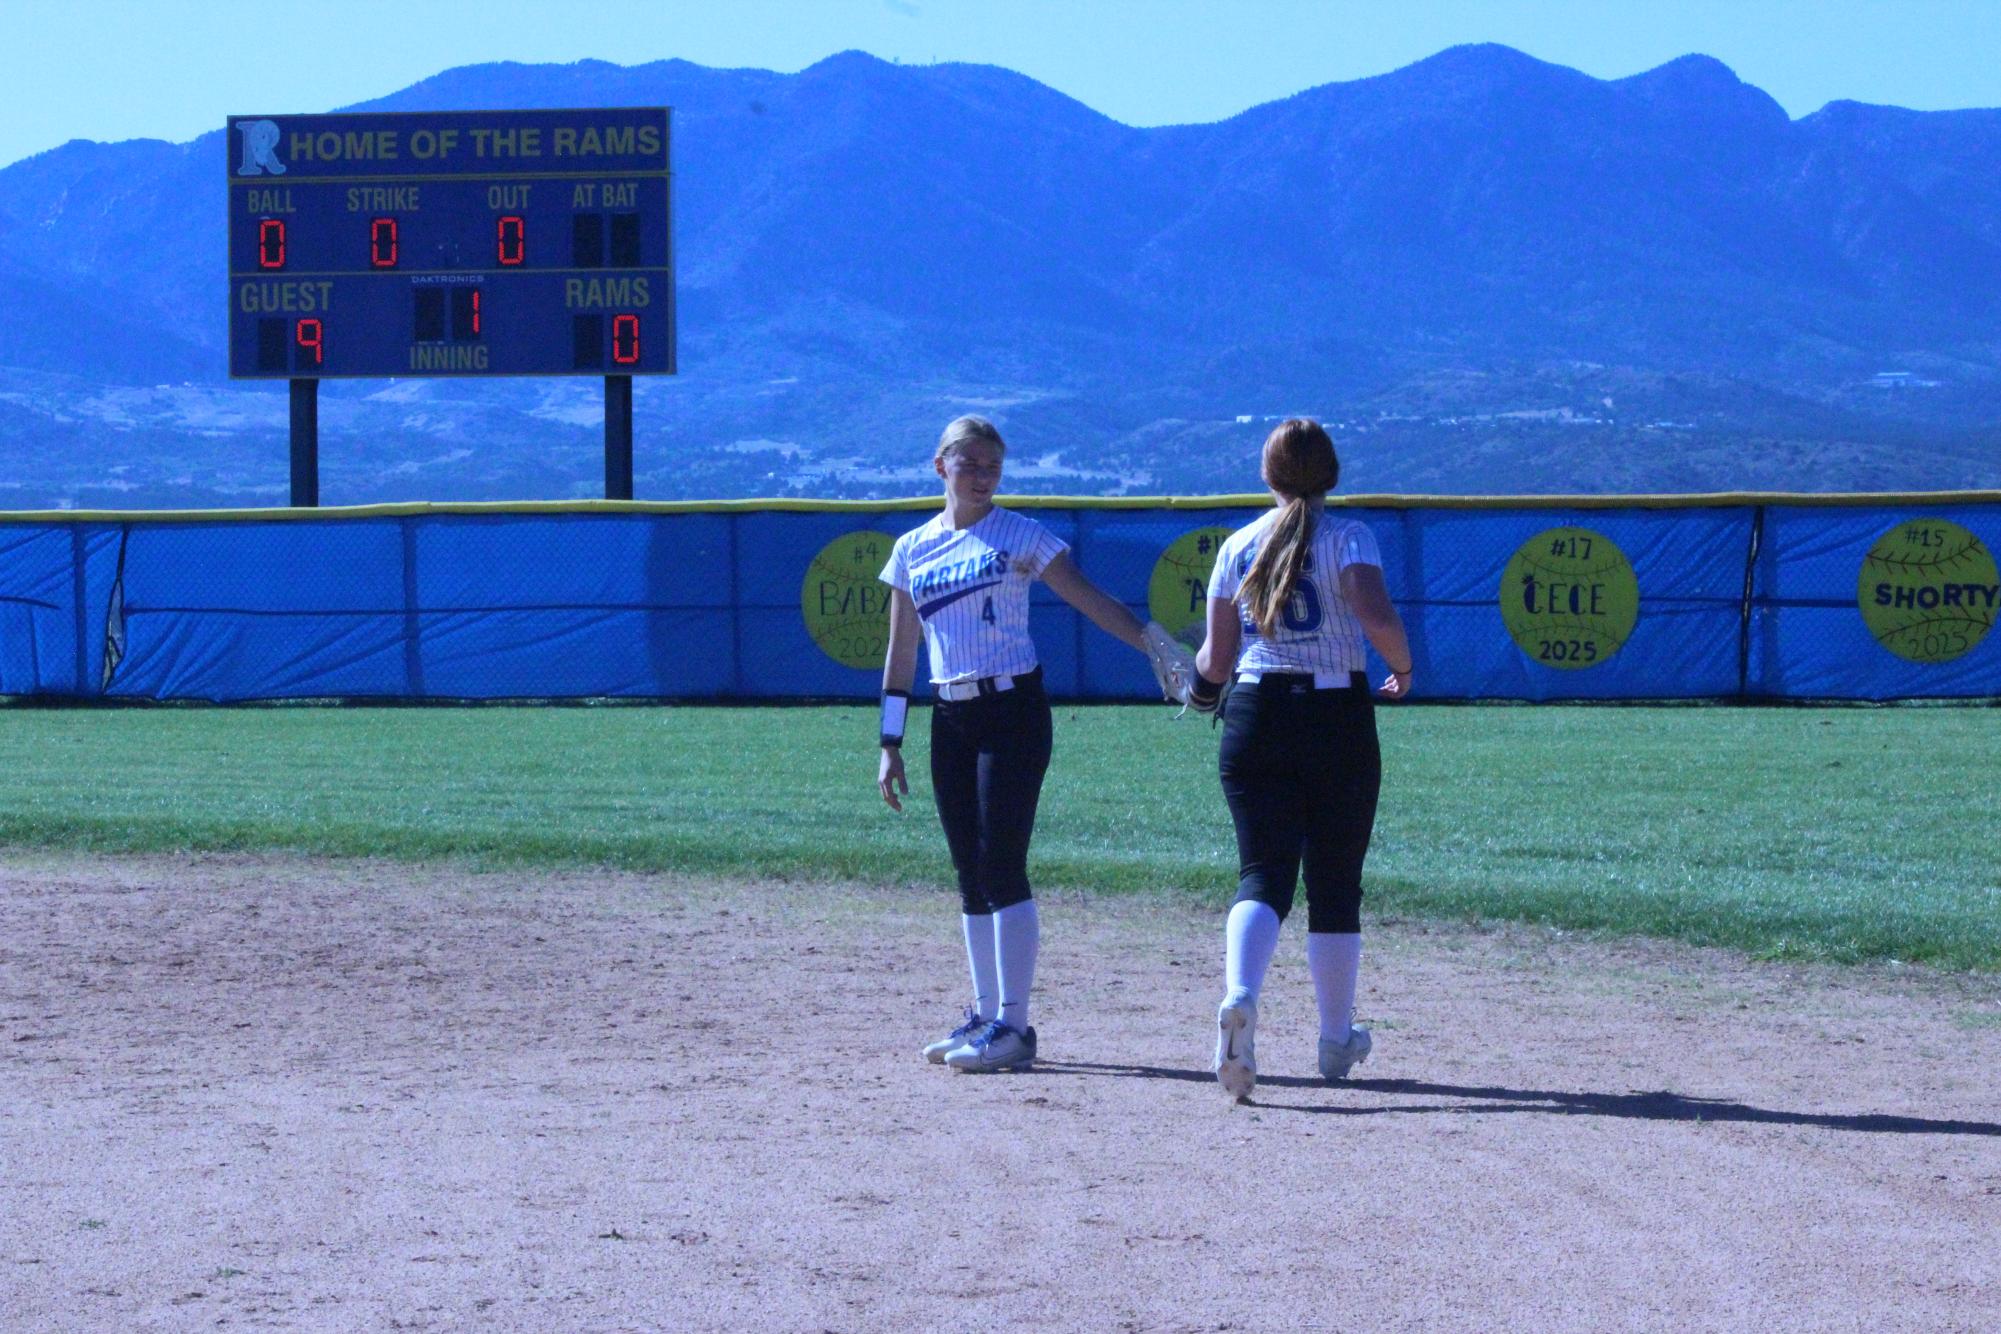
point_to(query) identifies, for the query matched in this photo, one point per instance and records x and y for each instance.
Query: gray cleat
(1338, 1058)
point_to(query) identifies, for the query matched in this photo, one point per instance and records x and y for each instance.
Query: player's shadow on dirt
(1661, 1106)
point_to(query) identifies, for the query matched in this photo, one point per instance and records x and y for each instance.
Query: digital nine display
(450, 243)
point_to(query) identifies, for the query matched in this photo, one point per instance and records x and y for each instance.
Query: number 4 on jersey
(987, 612)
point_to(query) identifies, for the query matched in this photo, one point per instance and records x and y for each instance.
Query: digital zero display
(450, 243)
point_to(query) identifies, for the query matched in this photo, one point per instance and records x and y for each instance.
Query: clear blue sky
(121, 69)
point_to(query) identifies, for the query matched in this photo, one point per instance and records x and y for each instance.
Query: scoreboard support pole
(618, 437)
(305, 443)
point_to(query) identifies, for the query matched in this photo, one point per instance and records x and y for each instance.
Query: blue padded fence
(1755, 597)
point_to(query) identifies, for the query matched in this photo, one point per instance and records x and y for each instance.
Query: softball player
(1292, 597)
(963, 580)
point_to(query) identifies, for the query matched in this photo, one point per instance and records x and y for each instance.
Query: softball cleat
(1236, 1046)
(958, 1037)
(997, 1046)
(1338, 1058)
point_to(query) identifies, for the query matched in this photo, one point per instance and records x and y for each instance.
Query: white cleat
(997, 1046)
(958, 1037)
(1236, 1046)
(1338, 1058)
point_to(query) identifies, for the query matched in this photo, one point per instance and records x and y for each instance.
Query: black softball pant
(988, 756)
(1301, 770)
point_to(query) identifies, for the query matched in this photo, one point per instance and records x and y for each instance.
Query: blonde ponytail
(1300, 465)
(1280, 562)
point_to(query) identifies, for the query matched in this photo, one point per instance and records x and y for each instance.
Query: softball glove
(1173, 665)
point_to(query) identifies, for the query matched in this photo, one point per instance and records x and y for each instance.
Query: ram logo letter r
(260, 148)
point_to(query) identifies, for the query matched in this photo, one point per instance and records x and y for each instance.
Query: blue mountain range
(1488, 273)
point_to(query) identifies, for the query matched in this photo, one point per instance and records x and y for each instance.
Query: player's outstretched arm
(1363, 587)
(1104, 611)
(899, 669)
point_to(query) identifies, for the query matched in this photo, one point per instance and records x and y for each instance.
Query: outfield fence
(1737, 596)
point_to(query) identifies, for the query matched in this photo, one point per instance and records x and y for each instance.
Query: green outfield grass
(1843, 834)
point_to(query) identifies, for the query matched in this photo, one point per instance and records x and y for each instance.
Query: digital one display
(450, 243)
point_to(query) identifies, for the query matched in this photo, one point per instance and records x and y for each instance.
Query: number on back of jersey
(1302, 609)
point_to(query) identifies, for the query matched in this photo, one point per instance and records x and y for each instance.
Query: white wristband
(895, 711)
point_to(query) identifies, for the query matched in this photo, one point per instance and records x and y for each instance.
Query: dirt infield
(272, 1093)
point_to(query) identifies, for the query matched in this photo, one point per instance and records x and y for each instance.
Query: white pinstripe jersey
(971, 590)
(1319, 631)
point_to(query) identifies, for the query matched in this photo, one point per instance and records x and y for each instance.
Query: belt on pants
(1306, 680)
(956, 691)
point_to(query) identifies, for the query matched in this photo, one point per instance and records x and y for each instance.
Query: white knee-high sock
(1017, 937)
(979, 933)
(1250, 938)
(1335, 960)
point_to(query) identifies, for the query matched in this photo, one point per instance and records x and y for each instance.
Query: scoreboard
(450, 243)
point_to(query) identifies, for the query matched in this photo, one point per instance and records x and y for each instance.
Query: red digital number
(382, 245)
(625, 339)
(511, 239)
(271, 243)
(475, 310)
(309, 334)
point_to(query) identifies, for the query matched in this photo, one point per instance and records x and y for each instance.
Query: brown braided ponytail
(1299, 464)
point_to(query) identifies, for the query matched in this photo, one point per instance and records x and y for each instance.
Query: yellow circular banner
(1927, 590)
(1178, 594)
(1569, 598)
(846, 607)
